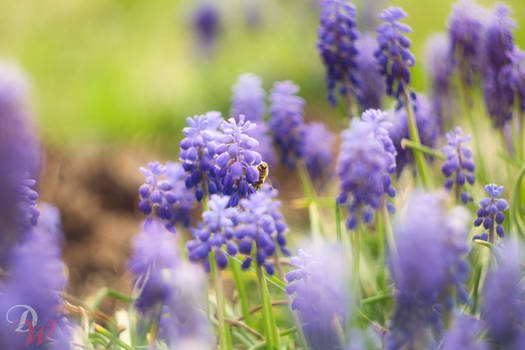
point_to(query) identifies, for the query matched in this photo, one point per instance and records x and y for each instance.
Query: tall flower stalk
(395, 59)
(336, 43)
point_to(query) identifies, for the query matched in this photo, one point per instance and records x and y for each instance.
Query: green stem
(376, 298)
(219, 292)
(262, 344)
(422, 148)
(516, 139)
(322, 202)
(107, 334)
(356, 253)
(381, 252)
(238, 335)
(521, 142)
(483, 261)
(236, 270)
(272, 335)
(107, 292)
(389, 233)
(414, 136)
(515, 204)
(271, 279)
(153, 334)
(338, 228)
(316, 224)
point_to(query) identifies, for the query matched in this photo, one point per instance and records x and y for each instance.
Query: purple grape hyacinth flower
(440, 66)
(27, 210)
(263, 135)
(464, 334)
(218, 231)
(186, 326)
(237, 164)
(371, 83)
(497, 88)
(152, 264)
(365, 162)
(427, 125)
(34, 285)
(465, 31)
(20, 157)
(164, 195)
(261, 223)
(318, 156)
(249, 98)
(320, 291)
(459, 163)
(514, 74)
(376, 120)
(198, 150)
(499, 39)
(206, 23)
(394, 56)
(286, 121)
(336, 43)
(504, 300)
(427, 231)
(490, 213)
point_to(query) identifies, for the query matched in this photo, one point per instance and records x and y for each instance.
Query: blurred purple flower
(19, 157)
(440, 68)
(393, 56)
(337, 35)
(499, 39)
(164, 195)
(182, 208)
(286, 121)
(497, 86)
(427, 125)
(371, 83)
(163, 282)
(36, 279)
(465, 31)
(186, 326)
(320, 290)
(514, 74)
(206, 23)
(198, 150)
(317, 150)
(504, 300)
(459, 163)
(152, 264)
(218, 231)
(427, 231)
(262, 134)
(237, 164)
(490, 213)
(261, 223)
(499, 97)
(249, 98)
(364, 166)
(464, 334)
(376, 121)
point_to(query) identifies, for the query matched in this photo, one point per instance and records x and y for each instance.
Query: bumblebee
(264, 171)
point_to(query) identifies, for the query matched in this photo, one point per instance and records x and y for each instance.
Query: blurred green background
(129, 70)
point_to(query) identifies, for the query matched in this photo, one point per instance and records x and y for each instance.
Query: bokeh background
(130, 70)
(114, 80)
